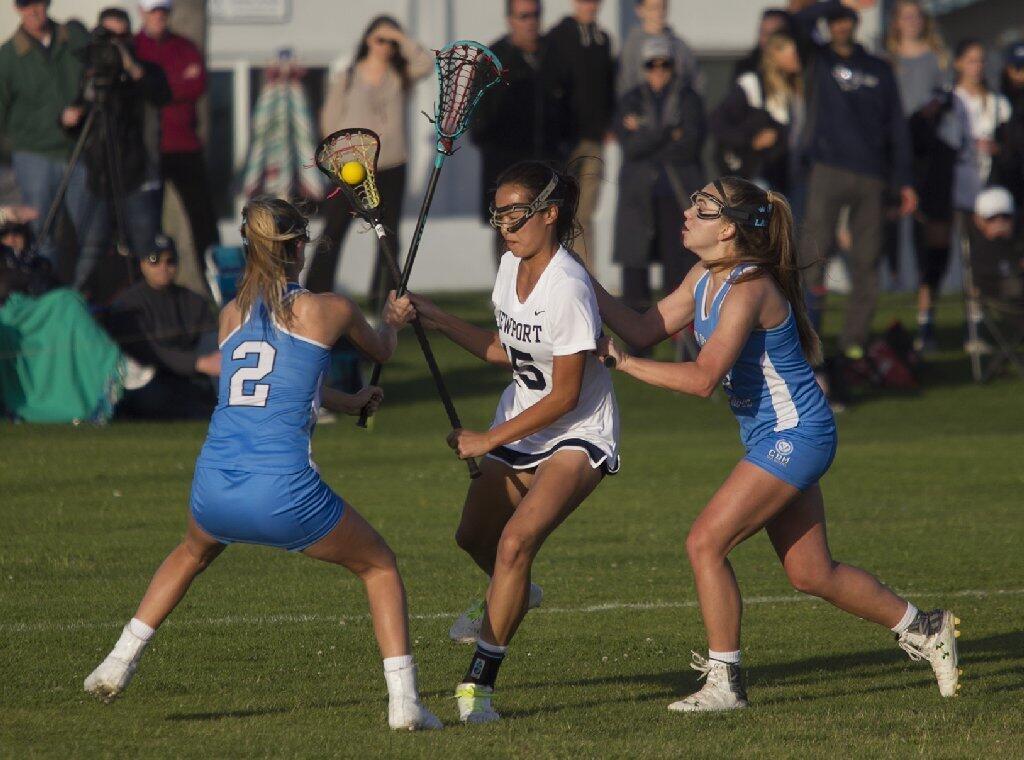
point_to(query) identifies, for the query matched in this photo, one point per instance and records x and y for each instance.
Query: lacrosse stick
(465, 70)
(349, 158)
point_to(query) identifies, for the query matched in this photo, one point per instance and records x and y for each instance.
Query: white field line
(255, 620)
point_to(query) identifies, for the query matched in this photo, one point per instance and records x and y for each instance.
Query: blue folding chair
(224, 267)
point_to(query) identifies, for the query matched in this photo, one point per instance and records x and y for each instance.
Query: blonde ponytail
(781, 238)
(271, 228)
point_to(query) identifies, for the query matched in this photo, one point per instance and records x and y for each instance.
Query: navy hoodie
(855, 120)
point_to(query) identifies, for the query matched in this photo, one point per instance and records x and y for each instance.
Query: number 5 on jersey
(258, 392)
(530, 376)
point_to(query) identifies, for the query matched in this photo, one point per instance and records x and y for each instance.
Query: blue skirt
(289, 512)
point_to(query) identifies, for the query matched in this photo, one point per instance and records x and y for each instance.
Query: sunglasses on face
(530, 15)
(159, 258)
(658, 63)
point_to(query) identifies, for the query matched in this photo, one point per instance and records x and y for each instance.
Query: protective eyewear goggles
(512, 218)
(708, 206)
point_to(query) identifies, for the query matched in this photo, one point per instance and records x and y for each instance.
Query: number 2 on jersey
(260, 391)
(532, 377)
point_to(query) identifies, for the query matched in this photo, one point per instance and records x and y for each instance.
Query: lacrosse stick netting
(465, 70)
(344, 146)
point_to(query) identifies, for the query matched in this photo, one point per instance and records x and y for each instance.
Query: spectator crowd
(866, 145)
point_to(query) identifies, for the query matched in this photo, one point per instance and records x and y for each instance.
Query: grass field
(272, 654)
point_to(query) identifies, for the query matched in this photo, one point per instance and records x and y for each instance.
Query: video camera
(103, 63)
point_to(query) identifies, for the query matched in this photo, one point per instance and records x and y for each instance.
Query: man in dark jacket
(41, 72)
(132, 108)
(165, 326)
(660, 125)
(857, 145)
(527, 115)
(585, 51)
(1008, 163)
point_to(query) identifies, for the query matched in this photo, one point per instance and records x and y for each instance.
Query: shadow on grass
(1006, 648)
(220, 715)
(858, 667)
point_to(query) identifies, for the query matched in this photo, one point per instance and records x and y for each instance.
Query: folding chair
(993, 290)
(224, 267)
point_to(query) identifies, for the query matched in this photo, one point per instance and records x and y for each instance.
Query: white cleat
(466, 629)
(933, 637)
(723, 688)
(409, 714)
(115, 672)
(110, 678)
(475, 703)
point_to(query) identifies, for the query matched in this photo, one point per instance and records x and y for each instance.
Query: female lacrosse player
(555, 433)
(254, 480)
(745, 301)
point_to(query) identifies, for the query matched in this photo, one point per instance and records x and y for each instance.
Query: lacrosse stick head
(334, 157)
(465, 71)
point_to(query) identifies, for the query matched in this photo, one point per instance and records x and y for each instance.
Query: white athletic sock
(140, 629)
(906, 620)
(130, 645)
(400, 676)
(733, 658)
(495, 649)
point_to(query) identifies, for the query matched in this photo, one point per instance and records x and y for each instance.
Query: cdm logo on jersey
(781, 453)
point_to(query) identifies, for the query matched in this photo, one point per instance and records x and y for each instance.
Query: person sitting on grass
(165, 326)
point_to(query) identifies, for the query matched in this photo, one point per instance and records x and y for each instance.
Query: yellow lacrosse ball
(353, 172)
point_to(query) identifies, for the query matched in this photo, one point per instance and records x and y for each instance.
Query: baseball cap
(657, 47)
(26, 3)
(161, 244)
(993, 201)
(840, 12)
(1014, 55)
(152, 5)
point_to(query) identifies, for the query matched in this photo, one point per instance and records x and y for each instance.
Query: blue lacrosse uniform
(785, 422)
(255, 481)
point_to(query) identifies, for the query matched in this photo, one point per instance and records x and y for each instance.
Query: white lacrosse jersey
(560, 317)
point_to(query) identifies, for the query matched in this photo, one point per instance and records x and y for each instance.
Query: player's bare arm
(671, 314)
(741, 313)
(566, 381)
(330, 316)
(370, 397)
(481, 342)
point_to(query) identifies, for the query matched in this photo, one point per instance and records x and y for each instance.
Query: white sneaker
(409, 714)
(722, 690)
(115, 672)
(466, 628)
(135, 375)
(475, 703)
(933, 637)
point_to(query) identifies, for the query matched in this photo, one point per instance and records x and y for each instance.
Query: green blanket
(56, 363)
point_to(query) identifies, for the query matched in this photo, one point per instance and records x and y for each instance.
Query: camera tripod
(99, 117)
